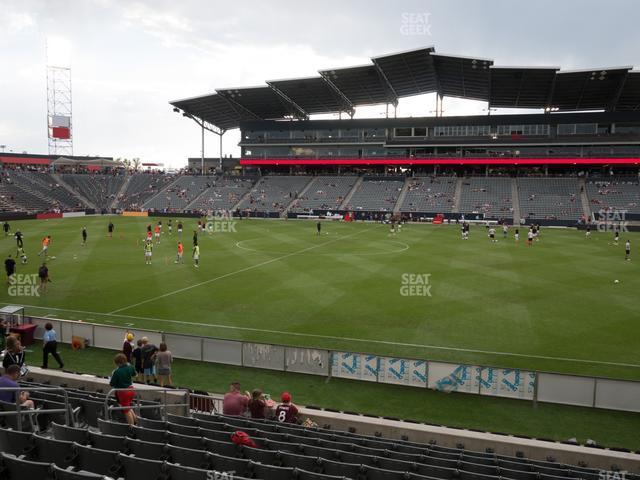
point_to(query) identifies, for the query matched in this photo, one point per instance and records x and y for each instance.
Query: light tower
(59, 125)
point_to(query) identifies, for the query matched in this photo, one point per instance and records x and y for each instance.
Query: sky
(130, 58)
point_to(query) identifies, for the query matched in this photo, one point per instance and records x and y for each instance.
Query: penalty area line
(348, 339)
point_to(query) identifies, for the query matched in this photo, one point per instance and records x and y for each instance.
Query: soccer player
(492, 235)
(195, 238)
(110, 229)
(319, 226)
(616, 237)
(196, 256)
(45, 246)
(517, 235)
(6, 228)
(156, 232)
(180, 252)
(43, 274)
(588, 232)
(148, 251)
(22, 255)
(627, 250)
(84, 236)
(170, 225)
(10, 267)
(180, 228)
(530, 237)
(505, 230)
(18, 237)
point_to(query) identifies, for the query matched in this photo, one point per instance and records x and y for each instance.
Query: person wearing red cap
(286, 412)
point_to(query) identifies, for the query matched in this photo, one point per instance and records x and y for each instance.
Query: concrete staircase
(123, 188)
(246, 195)
(515, 202)
(401, 197)
(75, 193)
(586, 205)
(457, 195)
(300, 194)
(347, 199)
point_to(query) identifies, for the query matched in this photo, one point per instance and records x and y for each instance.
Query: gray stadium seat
(64, 474)
(107, 442)
(151, 424)
(138, 468)
(92, 459)
(269, 472)
(189, 457)
(14, 468)
(70, 434)
(114, 428)
(15, 442)
(184, 429)
(186, 441)
(228, 448)
(149, 450)
(50, 450)
(148, 435)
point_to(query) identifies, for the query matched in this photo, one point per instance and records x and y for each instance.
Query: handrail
(19, 411)
(137, 407)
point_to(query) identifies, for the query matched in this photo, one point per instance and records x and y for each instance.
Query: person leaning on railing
(122, 378)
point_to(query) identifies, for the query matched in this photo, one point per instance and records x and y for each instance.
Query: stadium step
(347, 199)
(246, 195)
(515, 201)
(586, 206)
(403, 194)
(300, 195)
(457, 196)
(83, 199)
(123, 188)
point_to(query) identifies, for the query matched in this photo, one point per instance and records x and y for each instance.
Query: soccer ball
(616, 281)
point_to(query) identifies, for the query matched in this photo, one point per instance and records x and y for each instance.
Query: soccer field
(553, 306)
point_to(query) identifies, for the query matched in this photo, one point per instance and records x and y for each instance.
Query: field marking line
(242, 270)
(349, 339)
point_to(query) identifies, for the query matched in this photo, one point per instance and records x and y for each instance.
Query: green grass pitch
(553, 306)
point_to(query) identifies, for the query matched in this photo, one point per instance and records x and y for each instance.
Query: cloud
(14, 23)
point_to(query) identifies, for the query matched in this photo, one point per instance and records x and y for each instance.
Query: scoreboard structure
(59, 109)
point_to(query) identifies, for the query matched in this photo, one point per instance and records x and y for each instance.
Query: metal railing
(202, 403)
(138, 406)
(19, 411)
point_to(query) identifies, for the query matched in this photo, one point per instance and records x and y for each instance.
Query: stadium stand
(180, 193)
(490, 196)
(429, 194)
(274, 194)
(375, 194)
(223, 194)
(45, 184)
(549, 198)
(142, 187)
(324, 194)
(99, 189)
(616, 193)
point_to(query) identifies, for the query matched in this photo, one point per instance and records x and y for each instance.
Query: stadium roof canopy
(391, 77)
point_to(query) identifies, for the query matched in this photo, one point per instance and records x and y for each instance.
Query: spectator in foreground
(50, 346)
(257, 405)
(286, 412)
(235, 402)
(164, 359)
(14, 354)
(136, 354)
(127, 346)
(10, 380)
(148, 351)
(122, 379)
